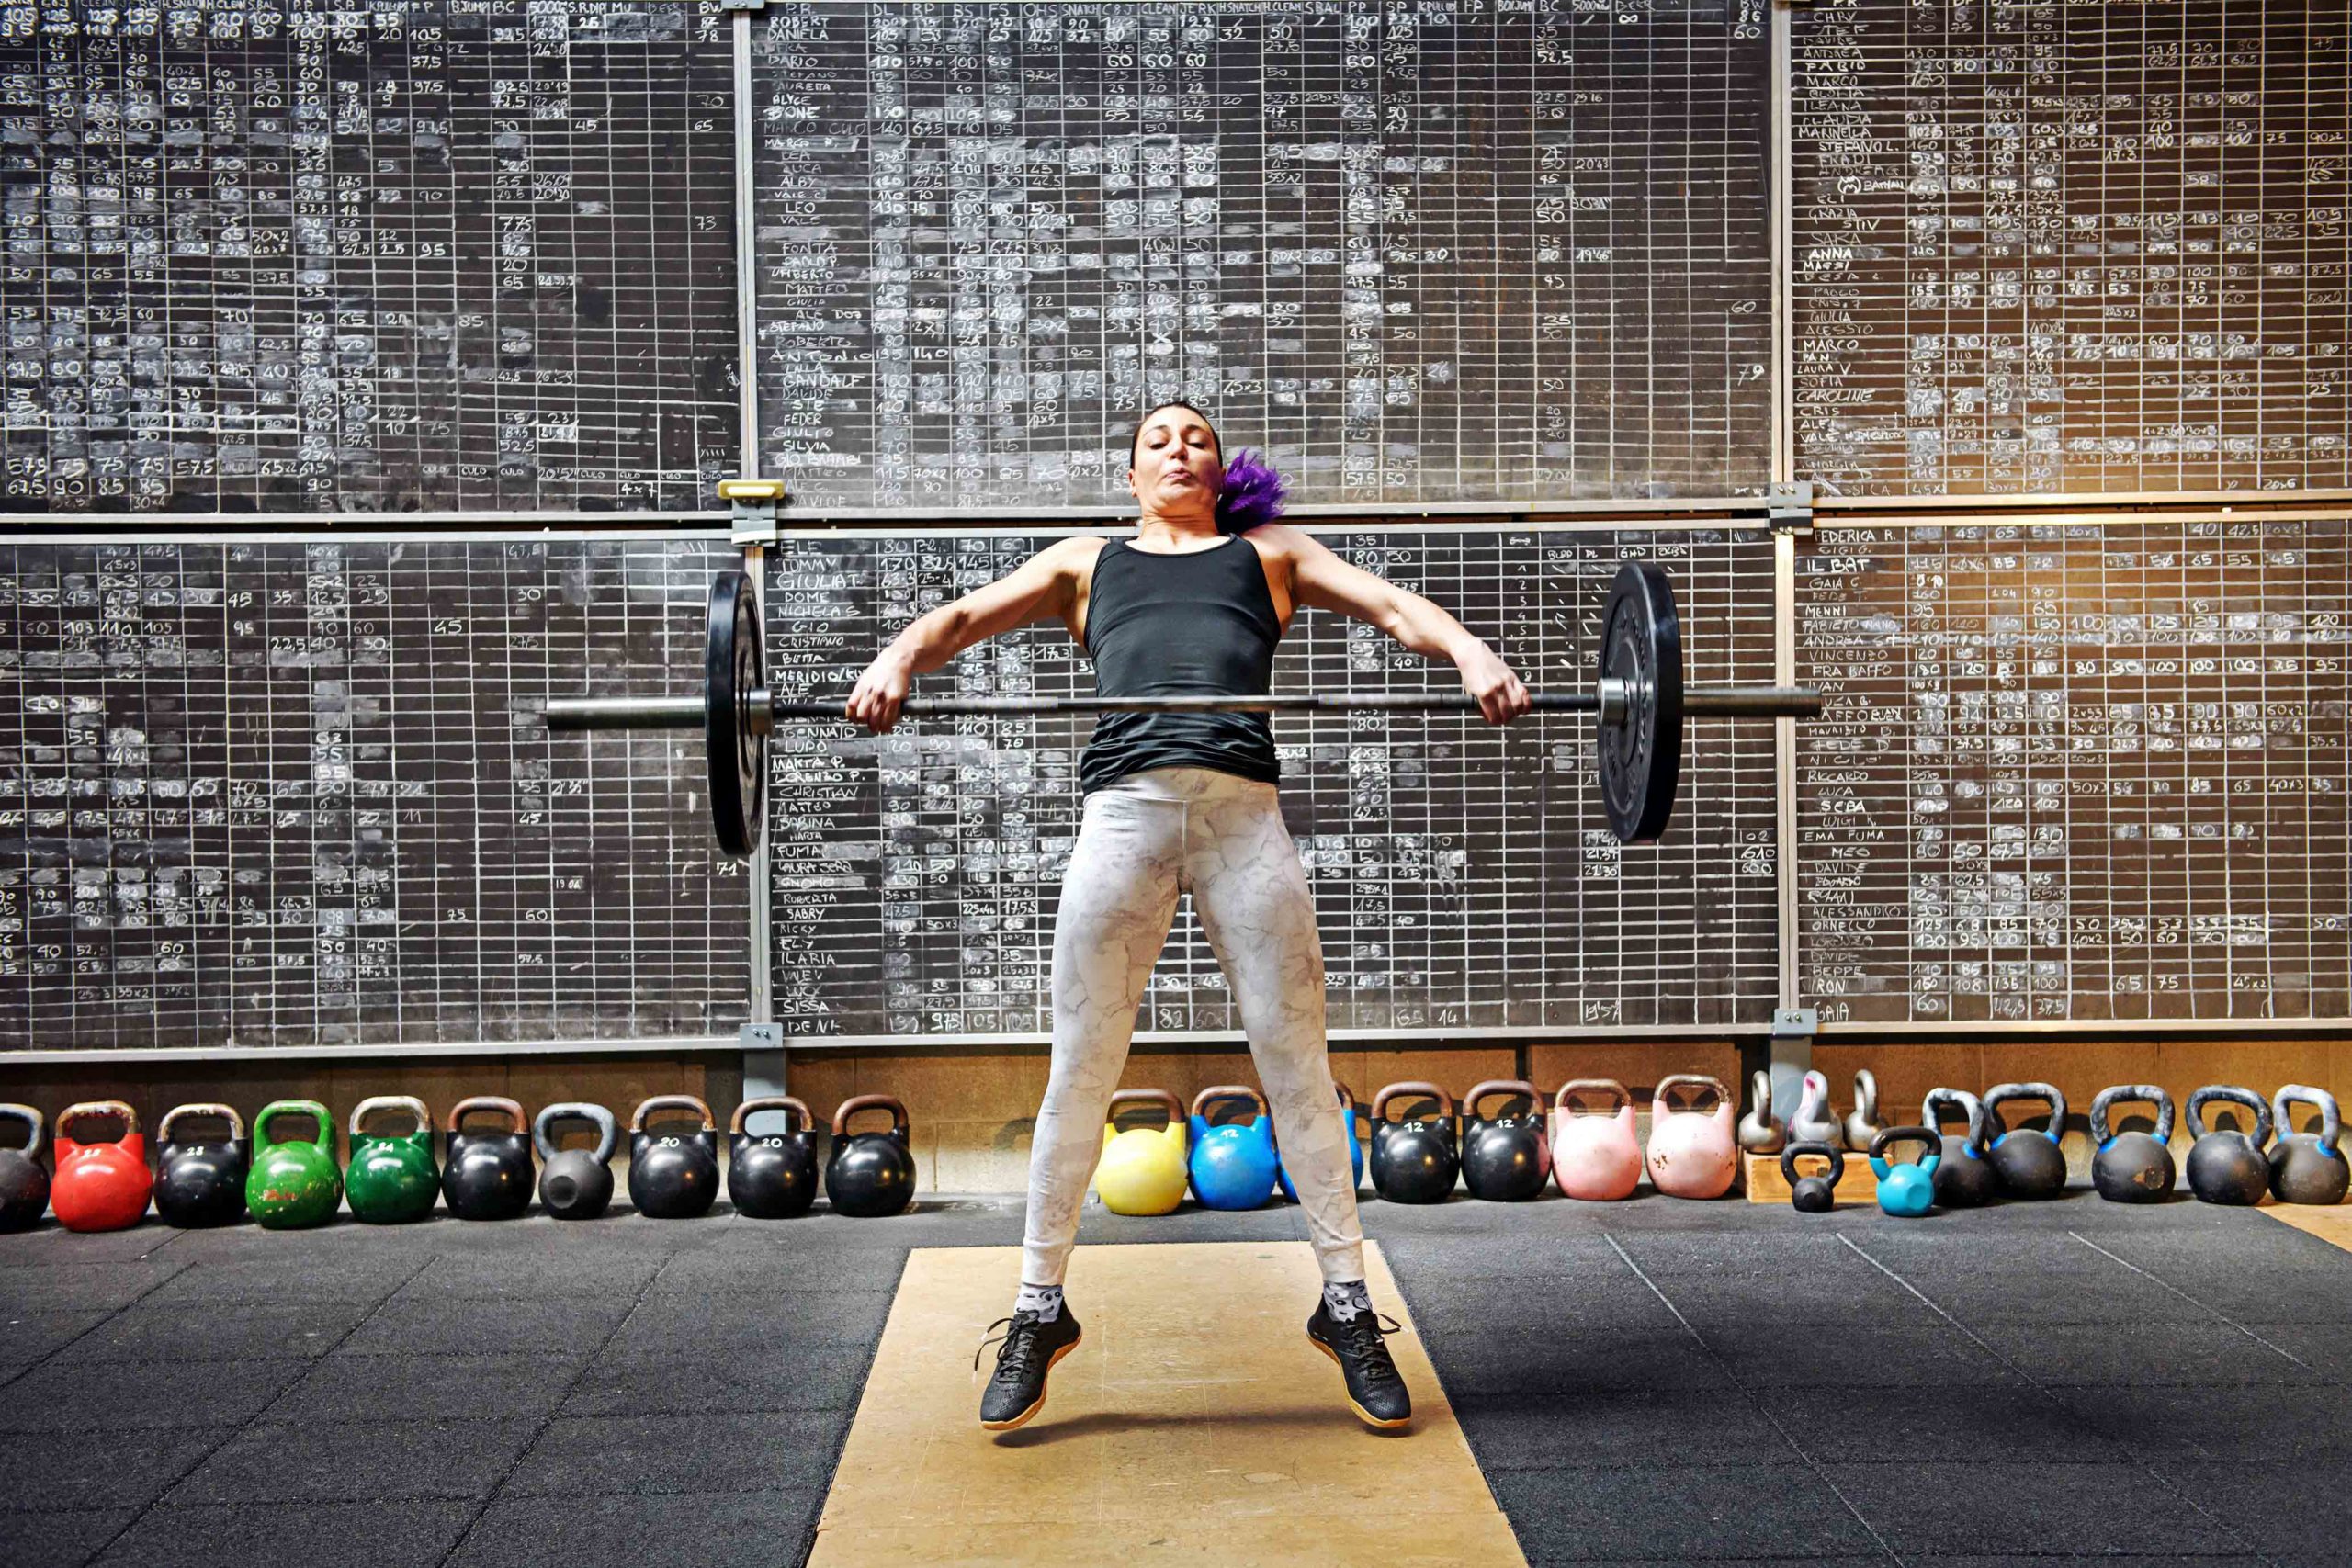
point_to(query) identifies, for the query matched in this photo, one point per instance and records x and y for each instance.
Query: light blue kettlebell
(1906, 1191)
(1351, 1116)
(1233, 1166)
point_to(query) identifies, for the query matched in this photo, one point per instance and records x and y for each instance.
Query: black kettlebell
(671, 1176)
(487, 1176)
(2224, 1164)
(2032, 1163)
(2133, 1167)
(1964, 1178)
(771, 1175)
(24, 1182)
(575, 1184)
(2307, 1168)
(200, 1184)
(1813, 1194)
(1506, 1159)
(1414, 1160)
(871, 1174)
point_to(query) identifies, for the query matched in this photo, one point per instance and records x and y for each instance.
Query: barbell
(1639, 701)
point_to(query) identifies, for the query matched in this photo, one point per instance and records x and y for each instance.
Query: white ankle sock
(1045, 1301)
(1344, 1299)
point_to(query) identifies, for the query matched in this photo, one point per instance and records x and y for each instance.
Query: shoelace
(1362, 1337)
(1017, 1344)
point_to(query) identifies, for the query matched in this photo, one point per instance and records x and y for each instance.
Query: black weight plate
(734, 666)
(1641, 750)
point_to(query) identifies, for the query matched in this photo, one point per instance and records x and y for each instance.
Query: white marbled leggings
(1143, 840)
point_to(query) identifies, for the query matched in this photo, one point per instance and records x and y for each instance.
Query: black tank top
(1180, 626)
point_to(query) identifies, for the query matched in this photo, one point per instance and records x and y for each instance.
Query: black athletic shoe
(1375, 1390)
(1026, 1351)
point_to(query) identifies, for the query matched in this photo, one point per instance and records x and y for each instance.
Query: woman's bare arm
(1042, 585)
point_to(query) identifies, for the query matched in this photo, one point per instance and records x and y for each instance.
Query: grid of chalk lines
(1464, 877)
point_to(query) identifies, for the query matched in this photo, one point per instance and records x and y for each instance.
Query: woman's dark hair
(1252, 491)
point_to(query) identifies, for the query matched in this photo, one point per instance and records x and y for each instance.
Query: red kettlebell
(100, 1187)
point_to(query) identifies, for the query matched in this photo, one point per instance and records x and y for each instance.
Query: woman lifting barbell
(1185, 802)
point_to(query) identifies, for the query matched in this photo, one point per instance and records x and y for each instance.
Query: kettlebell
(1414, 1160)
(487, 1176)
(771, 1175)
(1232, 1165)
(1758, 1133)
(1143, 1169)
(1813, 1121)
(1964, 1178)
(1692, 1152)
(100, 1187)
(673, 1176)
(199, 1184)
(575, 1184)
(1861, 1122)
(1906, 1191)
(24, 1184)
(1598, 1158)
(2031, 1163)
(392, 1178)
(1351, 1120)
(1813, 1194)
(294, 1184)
(1506, 1158)
(873, 1174)
(2224, 1164)
(2133, 1167)
(2307, 1168)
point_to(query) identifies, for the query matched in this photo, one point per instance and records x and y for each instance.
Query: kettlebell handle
(2230, 1094)
(1502, 1086)
(857, 1102)
(1215, 1093)
(81, 1110)
(325, 1119)
(1689, 1080)
(1160, 1097)
(1830, 1152)
(2331, 1119)
(2154, 1094)
(1411, 1085)
(39, 1124)
(2001, 1094)
(163, 1129)
(608, 1133)
(646, 1108)
(512, 1110)
(407, 1102)
(1609, 1087)
(1930, 1141)
(1969, 1106)
(745, 1112)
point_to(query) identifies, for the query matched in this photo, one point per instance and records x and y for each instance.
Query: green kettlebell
(293, 1186)
(392, 1178)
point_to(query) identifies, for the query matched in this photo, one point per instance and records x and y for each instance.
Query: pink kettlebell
(1692, 1153)
(1596, 1157)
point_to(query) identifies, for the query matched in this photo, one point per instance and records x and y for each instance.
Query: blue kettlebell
(1906, 1191)
(1353, 1118)
(1233, 1166)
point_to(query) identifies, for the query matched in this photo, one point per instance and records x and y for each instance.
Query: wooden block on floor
(1192, 1424)
(1767, 1185)
(2330, 1222)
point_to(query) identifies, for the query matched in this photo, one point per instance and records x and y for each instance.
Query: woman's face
(1177, 469)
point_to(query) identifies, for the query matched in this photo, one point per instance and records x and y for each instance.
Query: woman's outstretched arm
(1324, 580)
(1042, 585)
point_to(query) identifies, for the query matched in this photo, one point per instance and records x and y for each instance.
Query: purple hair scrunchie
(1253, 493)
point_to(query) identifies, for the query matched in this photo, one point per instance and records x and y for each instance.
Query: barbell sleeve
(686, 713)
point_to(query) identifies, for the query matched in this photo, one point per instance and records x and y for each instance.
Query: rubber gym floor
(1652, 1381)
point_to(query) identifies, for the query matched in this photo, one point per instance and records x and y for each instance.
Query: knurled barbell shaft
(686, 713)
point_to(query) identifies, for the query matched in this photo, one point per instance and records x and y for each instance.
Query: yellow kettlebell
(1143, 1169)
